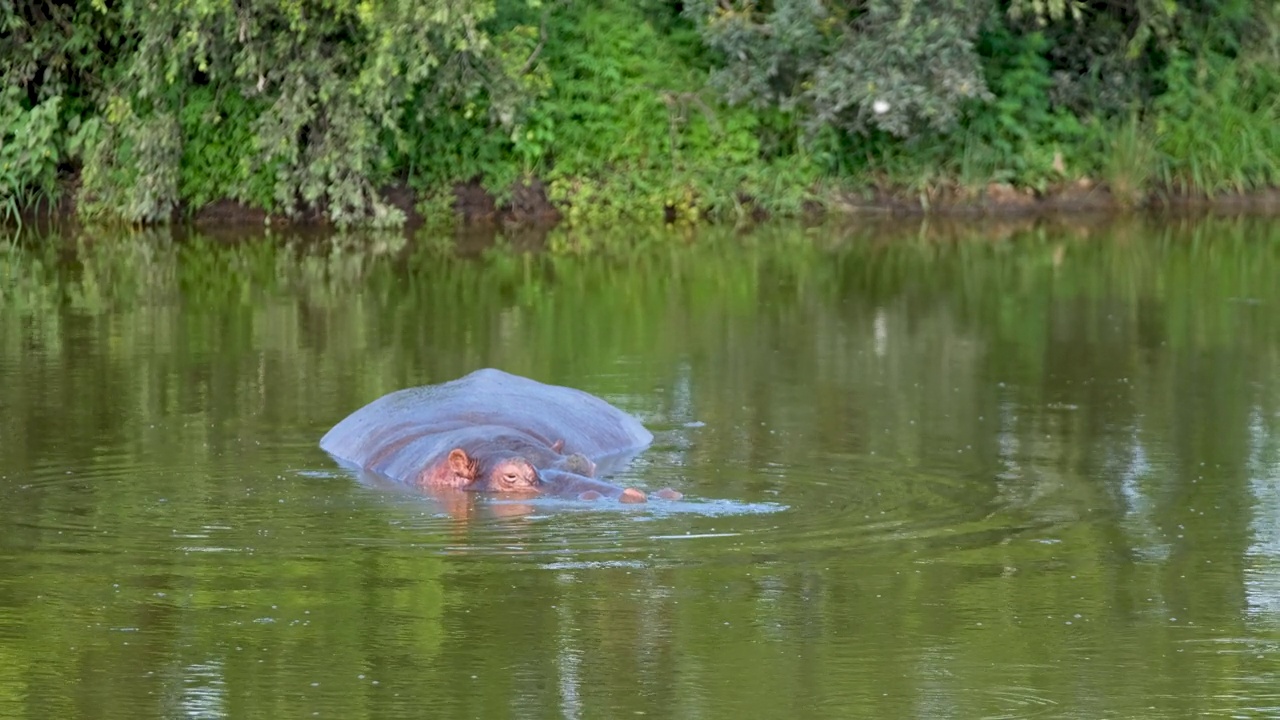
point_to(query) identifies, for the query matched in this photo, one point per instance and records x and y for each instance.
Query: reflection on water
(1014, 471)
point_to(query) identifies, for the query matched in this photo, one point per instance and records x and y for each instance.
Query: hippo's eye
(510, 476)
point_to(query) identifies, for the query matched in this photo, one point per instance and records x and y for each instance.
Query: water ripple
(791, 510)
(772, 510)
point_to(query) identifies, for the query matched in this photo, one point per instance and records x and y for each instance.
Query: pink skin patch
(632, 495)
(668, 494)
(590, 495)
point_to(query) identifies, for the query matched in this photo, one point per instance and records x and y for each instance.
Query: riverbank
(630, 113)
(471, 206)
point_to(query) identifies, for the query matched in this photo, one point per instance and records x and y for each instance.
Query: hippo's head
(513, 465)
(493, 472)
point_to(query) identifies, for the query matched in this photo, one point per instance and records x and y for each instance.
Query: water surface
(976, 472)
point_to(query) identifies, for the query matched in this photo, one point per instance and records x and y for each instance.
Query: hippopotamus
(494, 432)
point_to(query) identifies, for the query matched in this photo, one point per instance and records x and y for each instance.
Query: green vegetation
(643, 110)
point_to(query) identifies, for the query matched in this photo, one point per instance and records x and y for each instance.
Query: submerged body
(494, 432)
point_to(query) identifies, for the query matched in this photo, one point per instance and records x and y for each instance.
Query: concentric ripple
(774, 510)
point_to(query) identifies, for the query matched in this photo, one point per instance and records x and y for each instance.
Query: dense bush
(213, 97)
(648, 108)
(902, 67)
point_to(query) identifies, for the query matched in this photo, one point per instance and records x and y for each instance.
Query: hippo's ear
(558, 446)
(461, 465)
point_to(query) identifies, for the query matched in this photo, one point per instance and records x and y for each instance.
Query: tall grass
(1128, 161)
(1217, 126)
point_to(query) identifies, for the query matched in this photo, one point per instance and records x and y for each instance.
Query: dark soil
(529, 207)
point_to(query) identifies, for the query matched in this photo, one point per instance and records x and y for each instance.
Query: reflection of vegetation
(148, 269)
(1017, 374)
(368, 323)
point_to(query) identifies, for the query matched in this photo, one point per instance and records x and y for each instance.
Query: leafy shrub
(28, 149)
(905, 68)
(217, 151)
(626, 125)
(1021, 132)
(132, 171)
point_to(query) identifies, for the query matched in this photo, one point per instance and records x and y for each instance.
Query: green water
(986, 472)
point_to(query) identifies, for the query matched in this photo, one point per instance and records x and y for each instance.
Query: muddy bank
(1082, 196)
(528, 206)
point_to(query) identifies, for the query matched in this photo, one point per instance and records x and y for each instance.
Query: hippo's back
(549, 413)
